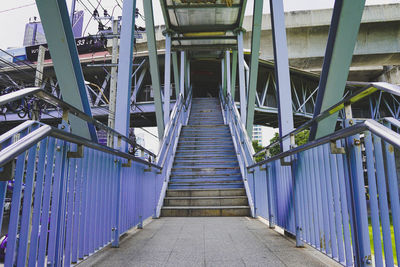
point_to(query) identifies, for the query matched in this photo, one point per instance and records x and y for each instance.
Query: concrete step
(202, 180)
(205, 192)
(204, 169)
(203, 158)
(206, 164)
(206, 201)
(208, 153)
(205, 185)
(233, 175)
(177, 211)
(205, 142)
(204, 147)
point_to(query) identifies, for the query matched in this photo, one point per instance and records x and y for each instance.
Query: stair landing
(212, 241)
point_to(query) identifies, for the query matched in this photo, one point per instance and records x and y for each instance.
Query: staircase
(205, 178)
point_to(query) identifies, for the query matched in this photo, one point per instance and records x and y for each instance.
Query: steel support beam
(182, 80)
(223, 76)
(167, 77)
(176, 73)
(113, 85)
(285, 112)
(124, 84)
(342, 38)
(255, 49)
(154, 71)
(138, 85)
(242, 83)
(61, 42)
(234, 69)
(187, 75)
(228, 70)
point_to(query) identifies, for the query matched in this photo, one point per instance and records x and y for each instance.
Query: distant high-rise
(257, 134)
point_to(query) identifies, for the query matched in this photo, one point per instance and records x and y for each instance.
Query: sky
(14, 20)
(15, 14)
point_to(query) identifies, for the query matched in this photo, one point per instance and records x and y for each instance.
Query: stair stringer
(242, 165)
(171, 162)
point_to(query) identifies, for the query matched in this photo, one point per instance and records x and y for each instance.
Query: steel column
(342, 38)
(228, 70)
(154, 71)
(285, 113)
(182, 80)
(124, 84)
(176, 73)
(242, 84)
(233, 78)
(113, 85)
(255, 49)
(167, 77)
(61, 42)
(223, 76)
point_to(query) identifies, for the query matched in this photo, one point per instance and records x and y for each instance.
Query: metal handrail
(369, 124)
(366, 90)
(175, 115)
(23, 144)
(49, 98)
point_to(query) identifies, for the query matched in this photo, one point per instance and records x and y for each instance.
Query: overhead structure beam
(154, 71)
(167, 77)
(182, 80)
(342, 38)
(124, 84)
(242, 83)
(61, 42)
(282, 74)
(228, 70)
(176, 73)
(255, 49)
(234, 69)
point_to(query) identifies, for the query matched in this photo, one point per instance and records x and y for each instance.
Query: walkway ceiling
(203, 25)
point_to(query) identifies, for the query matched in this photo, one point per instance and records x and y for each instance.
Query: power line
(15, 8)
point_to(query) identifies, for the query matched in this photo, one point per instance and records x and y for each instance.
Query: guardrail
(241, 141)
(179, 117)
(68, 109)
(339, 194)
(69, 196)
(361, 90)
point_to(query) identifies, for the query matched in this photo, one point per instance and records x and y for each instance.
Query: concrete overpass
(378, 43)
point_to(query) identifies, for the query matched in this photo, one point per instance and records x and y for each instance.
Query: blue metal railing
(241, 142)
(339, 194)
(179, 117)
(322, 199)
(69, 196)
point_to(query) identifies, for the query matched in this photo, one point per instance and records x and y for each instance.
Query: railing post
(268, 173)
(360, 232)
(296, 176)
(115, 243)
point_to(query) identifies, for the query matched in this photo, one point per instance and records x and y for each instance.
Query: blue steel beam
(285, 113)
(234, 69)
(342, 38)
(242, 83)
(124, 84)
(167, 77)
(176, 73)
(182, 80)
(60, 40)
(154, 71)
(255, 49)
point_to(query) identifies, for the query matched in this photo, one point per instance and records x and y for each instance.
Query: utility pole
(113, 83)
(38, 78)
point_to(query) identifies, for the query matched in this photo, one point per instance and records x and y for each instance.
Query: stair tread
(205, 207)
(216, 197)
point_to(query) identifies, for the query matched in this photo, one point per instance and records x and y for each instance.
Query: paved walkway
(212, 241)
